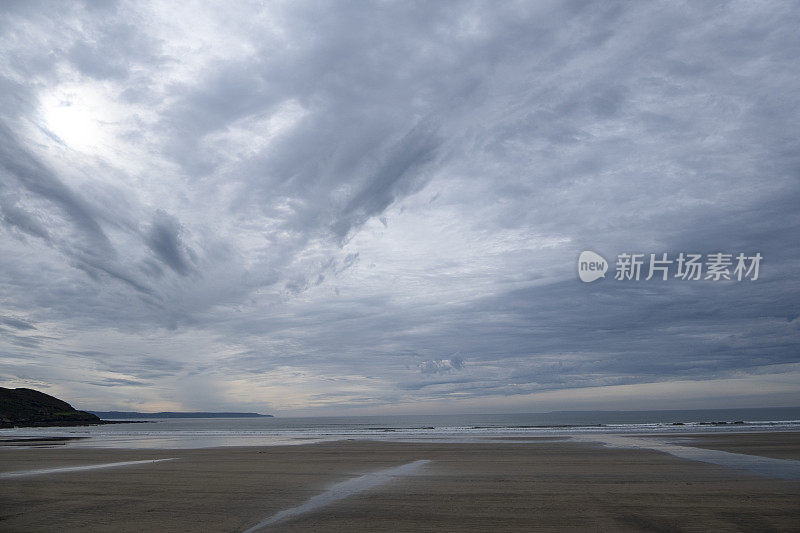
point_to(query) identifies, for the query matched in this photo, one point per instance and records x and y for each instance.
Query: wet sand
(543, 486)
(787, 446)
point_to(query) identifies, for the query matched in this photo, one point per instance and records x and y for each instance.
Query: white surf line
(26, 473)
(767, 466)
(340, 491)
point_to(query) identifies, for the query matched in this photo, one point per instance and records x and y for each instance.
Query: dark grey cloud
(305, 208)
(164, 240)
(16, 323)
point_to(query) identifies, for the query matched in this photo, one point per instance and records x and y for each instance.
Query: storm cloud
(354, 207)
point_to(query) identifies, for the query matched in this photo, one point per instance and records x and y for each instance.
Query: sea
(183, 433)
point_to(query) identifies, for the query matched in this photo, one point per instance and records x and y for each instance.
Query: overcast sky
(351, 207)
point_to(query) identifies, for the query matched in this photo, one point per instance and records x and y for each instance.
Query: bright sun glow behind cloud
(78, 116)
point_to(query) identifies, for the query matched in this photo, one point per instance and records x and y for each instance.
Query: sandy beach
(544, 485)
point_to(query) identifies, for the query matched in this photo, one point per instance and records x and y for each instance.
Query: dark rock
(31, 408)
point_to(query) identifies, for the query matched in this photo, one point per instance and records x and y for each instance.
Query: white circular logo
(591, 266)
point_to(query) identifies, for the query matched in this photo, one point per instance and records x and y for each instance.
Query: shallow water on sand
(340, 491)
(767, 466)
(81, 468)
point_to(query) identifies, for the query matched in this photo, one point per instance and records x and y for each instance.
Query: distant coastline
(128, 415)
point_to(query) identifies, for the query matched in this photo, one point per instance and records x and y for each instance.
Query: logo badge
(591, 266)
